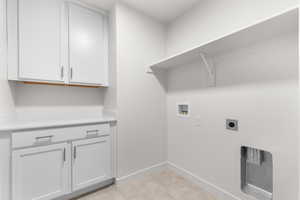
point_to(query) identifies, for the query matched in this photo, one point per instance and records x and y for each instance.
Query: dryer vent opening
(257, 173)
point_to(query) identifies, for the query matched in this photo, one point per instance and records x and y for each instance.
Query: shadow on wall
(53, 102)
(161, 77)
(43, 95)
(268, 61)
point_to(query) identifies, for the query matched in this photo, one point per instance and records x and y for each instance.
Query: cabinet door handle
(64, 155)
(71, 73)
(62, 72)
(44, 139)
(74, 152)
(92, 133)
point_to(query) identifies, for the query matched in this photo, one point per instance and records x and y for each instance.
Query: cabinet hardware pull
(43, 140)
(62, 72)
(71, 73)
(92, 133)
(49, 137)
(75, 153)
(64, 155)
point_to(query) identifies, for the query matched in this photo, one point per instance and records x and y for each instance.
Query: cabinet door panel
(91, 162)
(88, 46)
(41, 173)
(39, 39)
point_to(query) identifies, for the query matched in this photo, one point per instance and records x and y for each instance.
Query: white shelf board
(282, 23)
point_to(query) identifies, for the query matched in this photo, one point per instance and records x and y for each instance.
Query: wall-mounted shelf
(273, 26)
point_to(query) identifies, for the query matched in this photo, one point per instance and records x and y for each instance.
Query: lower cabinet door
(41, 173)
(91, 162)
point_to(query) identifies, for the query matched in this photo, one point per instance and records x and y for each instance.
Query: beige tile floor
(163, 185)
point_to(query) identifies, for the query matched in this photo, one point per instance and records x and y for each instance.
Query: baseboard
(257, 192)
(218, 192)
(85, 191)
(156, 167)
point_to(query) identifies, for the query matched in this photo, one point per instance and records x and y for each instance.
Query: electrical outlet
(232, 124)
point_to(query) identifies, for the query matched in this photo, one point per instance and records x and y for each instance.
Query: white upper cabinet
(57, 41)
(87, 46)
(38, 48)
(39, 39)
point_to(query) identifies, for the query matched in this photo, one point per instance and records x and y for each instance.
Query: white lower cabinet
(91, 162)
(45, 171)
(41, 173)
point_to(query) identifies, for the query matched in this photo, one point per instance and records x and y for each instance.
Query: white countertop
(20, 125)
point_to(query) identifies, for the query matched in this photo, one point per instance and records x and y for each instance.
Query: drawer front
(48, 136)
(92, 131)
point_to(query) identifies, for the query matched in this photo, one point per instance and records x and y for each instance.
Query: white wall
(110, 100)
(56, 101)
(140, 97)
(299, 108)
(214, 18)
(6, 106)
(6, 91)
(256, 85)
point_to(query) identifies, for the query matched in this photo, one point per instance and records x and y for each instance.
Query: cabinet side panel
(12, 40)
(5, 167)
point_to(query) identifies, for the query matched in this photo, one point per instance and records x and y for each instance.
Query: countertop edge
(23, 126)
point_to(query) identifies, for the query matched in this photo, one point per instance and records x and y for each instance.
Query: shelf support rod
(210, 69)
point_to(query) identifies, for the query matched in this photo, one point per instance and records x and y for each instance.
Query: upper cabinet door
(88, 51)
(39, 26)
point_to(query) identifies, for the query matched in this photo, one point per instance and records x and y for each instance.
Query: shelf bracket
(210, 69)
(149, 71)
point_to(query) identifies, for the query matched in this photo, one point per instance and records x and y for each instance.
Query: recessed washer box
(183, 109)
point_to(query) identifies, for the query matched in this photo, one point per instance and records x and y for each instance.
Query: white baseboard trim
(140, 172)
(218, 192)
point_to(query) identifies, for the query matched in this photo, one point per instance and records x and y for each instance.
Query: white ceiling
(163, 10)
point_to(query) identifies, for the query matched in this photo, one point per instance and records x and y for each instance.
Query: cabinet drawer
(54, 135)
